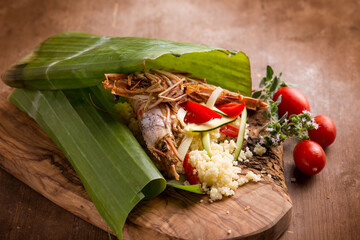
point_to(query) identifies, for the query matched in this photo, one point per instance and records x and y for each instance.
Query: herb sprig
(268, 87)
(296, 126)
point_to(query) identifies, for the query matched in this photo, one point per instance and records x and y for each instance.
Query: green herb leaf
(279, 129)
(256, 94)
(269, 72)
(274, 85)
(262, 82)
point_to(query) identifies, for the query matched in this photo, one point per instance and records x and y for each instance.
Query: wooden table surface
(316, 44)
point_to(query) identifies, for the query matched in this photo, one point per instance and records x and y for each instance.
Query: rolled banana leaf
(79, 60)
(54, 82)
(111, 164)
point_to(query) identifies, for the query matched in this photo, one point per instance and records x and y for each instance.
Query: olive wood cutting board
(257, 211)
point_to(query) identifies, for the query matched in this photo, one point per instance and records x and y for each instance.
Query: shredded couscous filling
(219, 174)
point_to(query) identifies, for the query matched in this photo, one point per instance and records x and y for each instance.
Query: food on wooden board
(181, 119)
(54, 84)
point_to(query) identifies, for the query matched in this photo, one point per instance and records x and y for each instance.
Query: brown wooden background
(316, 44)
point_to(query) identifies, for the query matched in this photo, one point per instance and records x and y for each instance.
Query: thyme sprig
(296, 126)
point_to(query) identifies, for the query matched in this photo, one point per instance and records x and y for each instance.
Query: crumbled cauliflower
(259, 150)
(229, 146)
(215, 135)
(250, 177)
(245, 155)
(219, 173)
(253, 177)
(248, 153)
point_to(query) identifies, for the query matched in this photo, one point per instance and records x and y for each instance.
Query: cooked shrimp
(155, 125)
(174, 88)
(154, 96)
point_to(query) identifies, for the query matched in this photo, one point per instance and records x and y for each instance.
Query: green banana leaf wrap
(102, 150)
(53, 85)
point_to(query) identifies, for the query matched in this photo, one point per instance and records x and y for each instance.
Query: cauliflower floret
(259, 150)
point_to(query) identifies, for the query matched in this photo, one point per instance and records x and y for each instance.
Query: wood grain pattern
(29, 154)
(256, 211)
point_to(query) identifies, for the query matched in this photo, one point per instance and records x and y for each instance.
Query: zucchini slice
(210, 125)
(205, 140)
(240, 139)
(219, 111)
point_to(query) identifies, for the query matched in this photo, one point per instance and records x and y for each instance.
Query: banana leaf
(111, 164)
(56, 79)
(78, 60)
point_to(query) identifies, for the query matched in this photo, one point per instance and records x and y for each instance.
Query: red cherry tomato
(197, 113)
(231, 109)
(292, 101)
(189, 171)
(309, 157)
(230, 130)
(197, 118)
(325, 134)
